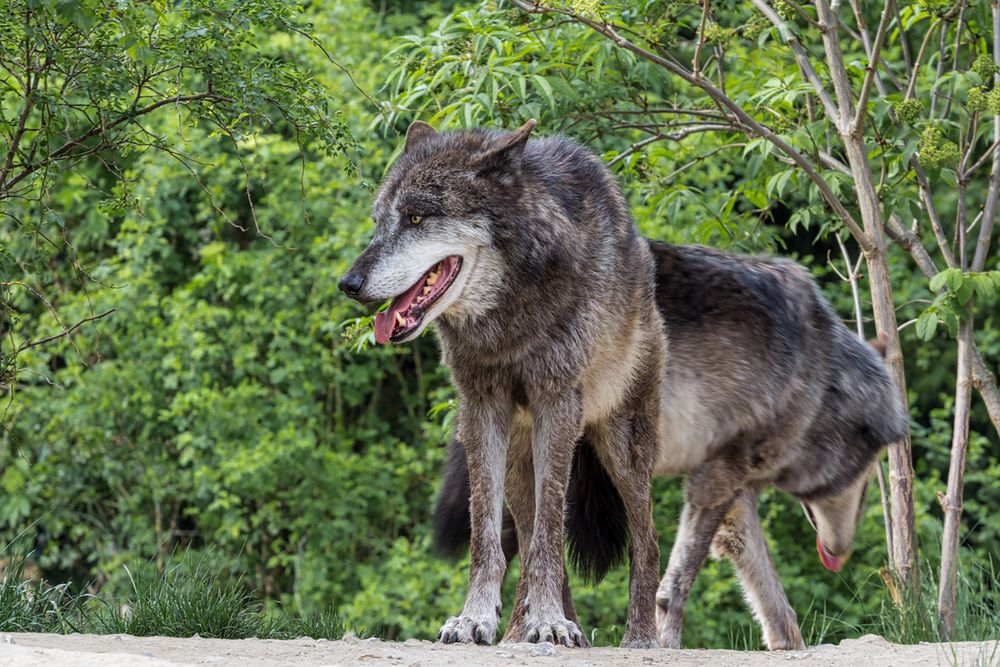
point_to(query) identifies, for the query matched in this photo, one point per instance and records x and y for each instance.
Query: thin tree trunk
(904, 537)
(952, 500)
(850, 124)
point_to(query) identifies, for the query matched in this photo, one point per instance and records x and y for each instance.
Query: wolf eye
(416, 219)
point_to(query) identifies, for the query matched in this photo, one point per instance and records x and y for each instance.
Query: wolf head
(433, 250)
(835, 519)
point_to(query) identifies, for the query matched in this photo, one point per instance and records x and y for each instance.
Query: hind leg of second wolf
(707, 499)
(741, 539)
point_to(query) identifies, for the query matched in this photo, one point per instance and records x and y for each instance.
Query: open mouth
(406, 312)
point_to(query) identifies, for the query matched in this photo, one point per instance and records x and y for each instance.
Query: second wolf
(763, 385)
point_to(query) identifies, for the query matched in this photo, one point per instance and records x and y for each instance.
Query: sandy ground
(35, 650)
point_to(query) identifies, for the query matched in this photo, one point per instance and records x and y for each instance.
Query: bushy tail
(596, 533)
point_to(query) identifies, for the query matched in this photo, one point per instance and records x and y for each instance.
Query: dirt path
(31, 650)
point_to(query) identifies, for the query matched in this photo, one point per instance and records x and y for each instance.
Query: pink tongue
(385, 321)
(830, 562)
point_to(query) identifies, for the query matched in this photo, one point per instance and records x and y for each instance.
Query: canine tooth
(400, 320)
(432, 278)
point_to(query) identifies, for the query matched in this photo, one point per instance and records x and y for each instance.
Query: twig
(661, 136)
(798, 51)
(857, 125)
(696, 60)
(65, 332)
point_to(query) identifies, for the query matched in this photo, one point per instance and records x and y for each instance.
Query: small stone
(504, 654)
(8, 640)
(544, 648)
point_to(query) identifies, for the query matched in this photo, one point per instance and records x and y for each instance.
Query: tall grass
(35, 606)
(186, 599)
(190, 597)
(977, 613)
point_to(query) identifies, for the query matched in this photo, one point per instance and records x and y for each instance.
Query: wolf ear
(417, 133)
(507, 153)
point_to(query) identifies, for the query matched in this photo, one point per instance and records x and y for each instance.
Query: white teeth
(427, 290)
(432, 278)
(400, 320)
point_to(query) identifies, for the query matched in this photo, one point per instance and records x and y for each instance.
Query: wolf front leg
(741, 539)
(557, 425)
(483, 428)
(706, 502)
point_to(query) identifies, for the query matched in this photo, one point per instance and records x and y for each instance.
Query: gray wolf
(524, 257)
(763, 385)
(587, 358)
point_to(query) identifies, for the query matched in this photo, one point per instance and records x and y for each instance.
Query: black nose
(351, 283)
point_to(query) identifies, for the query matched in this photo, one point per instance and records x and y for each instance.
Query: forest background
(196, 178)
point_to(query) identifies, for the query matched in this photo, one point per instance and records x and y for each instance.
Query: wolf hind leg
(627, 450)
(741, 539)
(520, 495)
(698, 525)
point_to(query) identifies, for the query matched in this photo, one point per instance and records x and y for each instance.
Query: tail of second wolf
(596, 533)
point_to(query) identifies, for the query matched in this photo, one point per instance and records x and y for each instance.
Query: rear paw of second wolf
(563, 632)
(467, 630)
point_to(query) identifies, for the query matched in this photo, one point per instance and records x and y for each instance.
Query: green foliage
(956, 290)
(233, 403)
(984, 67)
(909, 110)
(937, 151)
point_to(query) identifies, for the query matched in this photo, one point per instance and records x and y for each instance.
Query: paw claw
(562, 632)
(467, 630)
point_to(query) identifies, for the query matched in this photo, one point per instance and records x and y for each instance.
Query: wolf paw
(467, 630)
(668, 622)
(563, 631)
(639, 643)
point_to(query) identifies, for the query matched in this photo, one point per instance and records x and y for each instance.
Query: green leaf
(546, 90)
(927, 325)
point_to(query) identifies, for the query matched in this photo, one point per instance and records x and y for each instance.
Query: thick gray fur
(564, 325)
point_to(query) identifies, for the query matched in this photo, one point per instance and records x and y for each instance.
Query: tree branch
(993, 193)
(798, 51)
(860, 237)
(65, 332)
(871, 71)
(100, 129)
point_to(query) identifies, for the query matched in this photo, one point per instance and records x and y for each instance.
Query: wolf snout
(351, 284)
